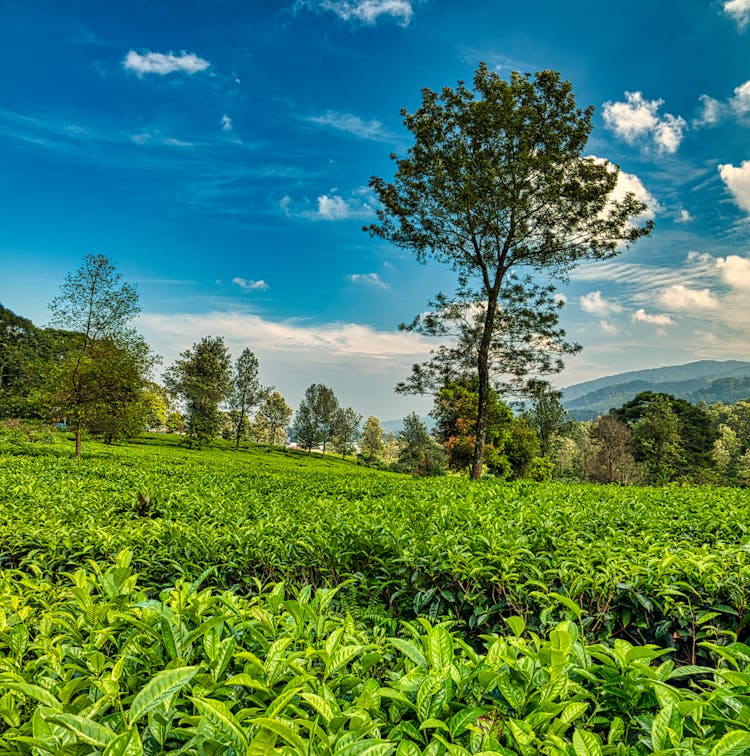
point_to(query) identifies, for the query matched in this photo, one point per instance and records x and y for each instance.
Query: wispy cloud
(250, 285)
(637, 120)
(683, 216)
(715, 111)
(163, 64)
(712, 111)
(739, 10)
(368, 279)
(226, 123)
(330, 207)
(351, 124)
(363, 11)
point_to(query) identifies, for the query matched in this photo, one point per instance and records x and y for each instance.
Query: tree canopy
(496, 182)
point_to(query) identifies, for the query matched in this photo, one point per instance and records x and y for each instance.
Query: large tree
(202, 379)
(107, 362)
(496, 182)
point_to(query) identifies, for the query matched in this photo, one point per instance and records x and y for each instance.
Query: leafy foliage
(202, 378)
(496, 185)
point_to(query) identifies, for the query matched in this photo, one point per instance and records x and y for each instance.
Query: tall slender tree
(98, 307)
(496, 182)
(246, 392)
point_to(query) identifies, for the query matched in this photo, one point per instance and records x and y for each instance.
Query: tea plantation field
(160, 600)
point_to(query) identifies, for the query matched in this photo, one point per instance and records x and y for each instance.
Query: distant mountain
(707, 381)
(396, 426)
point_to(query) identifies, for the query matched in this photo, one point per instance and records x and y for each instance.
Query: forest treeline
(655, 438)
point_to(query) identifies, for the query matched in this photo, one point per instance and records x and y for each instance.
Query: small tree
(315, 418)
(496, 182)
(609, 457)
(546, 415)
(246, 392)
(346, 431)
(372, 440)
(201, 378)
(277, 414)
(98, 308)
(419, 455)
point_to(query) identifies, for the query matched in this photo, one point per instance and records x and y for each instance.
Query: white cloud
(333, 208)
(337, 208)
(637, 119)
(368, 279)
(629, 182)
(351, 124)
(608, 328)
(683, 216)
(368, 11)
(250, 285)
(740, 103)
(330, 207)
(226, 123)
(739, 10)
(595, 304)
(681, 298)
(735, 271)
(713, 112)
(660, 319)
(362, 364)
(164, 63)
(737, 180)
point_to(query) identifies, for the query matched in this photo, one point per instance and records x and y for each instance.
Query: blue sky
(219, 152)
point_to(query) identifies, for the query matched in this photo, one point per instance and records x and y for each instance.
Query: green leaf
(127, 744)
(366, 748)
(660, 729)
(158, 689)
(407, 748)
(323, 707)
(87, 730)
(572, 711)
(459, 722)
(263, 744)
(516, 625)
(522, 732)
(585, 743)
(32, 691)
(283, 730)
(222, 720)
(341, 657)
(440, 648)
(410, 650)
(734, 743)
(431, 696)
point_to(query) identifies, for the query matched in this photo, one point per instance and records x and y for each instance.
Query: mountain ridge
(711, 381)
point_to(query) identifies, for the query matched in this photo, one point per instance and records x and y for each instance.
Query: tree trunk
(483, 390)
(239, 430)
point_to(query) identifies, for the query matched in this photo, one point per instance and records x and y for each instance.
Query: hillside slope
(705, 380)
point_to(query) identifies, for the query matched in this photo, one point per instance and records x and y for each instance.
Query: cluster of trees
(656, 438)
